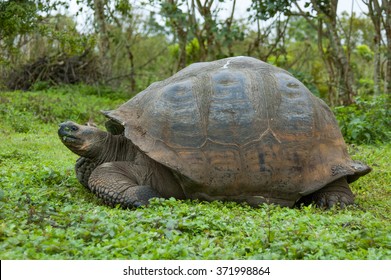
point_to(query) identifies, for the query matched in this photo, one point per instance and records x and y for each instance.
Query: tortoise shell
(239, 129)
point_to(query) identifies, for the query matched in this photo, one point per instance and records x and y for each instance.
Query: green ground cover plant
(368, 120)
(46, 214)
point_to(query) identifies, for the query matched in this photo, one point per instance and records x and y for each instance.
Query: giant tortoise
(235, 129)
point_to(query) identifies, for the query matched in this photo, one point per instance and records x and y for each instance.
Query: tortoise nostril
(68, 127)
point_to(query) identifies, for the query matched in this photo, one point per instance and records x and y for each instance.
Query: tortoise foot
(337, 193)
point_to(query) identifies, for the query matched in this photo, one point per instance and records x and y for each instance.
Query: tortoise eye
(74, 128)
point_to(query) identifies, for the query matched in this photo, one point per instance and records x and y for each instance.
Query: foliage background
(121, 48)
(339, 55)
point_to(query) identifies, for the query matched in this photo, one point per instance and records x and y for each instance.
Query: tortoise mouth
(66, 133)
(68, 138)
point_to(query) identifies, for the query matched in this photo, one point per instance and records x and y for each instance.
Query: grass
(46, 214)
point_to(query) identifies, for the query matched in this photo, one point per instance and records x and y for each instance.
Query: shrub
(18, 109)
(365, 52)
(367, 121)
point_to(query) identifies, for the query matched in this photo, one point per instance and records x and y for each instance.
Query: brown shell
(239, 129)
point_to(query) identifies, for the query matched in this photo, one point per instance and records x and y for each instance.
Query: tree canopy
(130, 44)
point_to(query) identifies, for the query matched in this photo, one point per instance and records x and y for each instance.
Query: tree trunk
(104, 42)
(213, 47)
(182, 38)
(198, 33)
(229, 24)
(331, 84)
(174, 18)
(329, 13)
(386, 5)
(375, 13)
(347, 77)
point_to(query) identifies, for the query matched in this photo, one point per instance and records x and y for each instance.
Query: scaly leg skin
(122, 183)
(84, 168)
(337, 193)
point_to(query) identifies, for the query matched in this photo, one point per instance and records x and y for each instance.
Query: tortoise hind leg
(337, 193)
(122, 183)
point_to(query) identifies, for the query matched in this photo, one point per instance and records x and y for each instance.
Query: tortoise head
(83, 140)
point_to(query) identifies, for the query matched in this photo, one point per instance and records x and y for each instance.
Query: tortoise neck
(111, 148)
(116, 148)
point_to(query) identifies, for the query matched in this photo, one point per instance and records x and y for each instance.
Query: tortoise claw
(138, 204)
(321, 203)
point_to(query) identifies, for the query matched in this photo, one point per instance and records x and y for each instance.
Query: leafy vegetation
(366, 121)
(32, 109)
(130, 44)
(46, 214)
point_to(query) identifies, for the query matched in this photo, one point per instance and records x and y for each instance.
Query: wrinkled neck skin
(108, 148)
(114, 148)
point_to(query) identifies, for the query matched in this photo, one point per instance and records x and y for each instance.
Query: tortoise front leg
(337, 193)
(122, 183)
(84, 167)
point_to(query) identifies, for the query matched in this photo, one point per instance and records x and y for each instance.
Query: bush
(19, 109)
(365, 52)
(56, 70)
(367, 121)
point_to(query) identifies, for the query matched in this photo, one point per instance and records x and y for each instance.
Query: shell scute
(230, 108)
